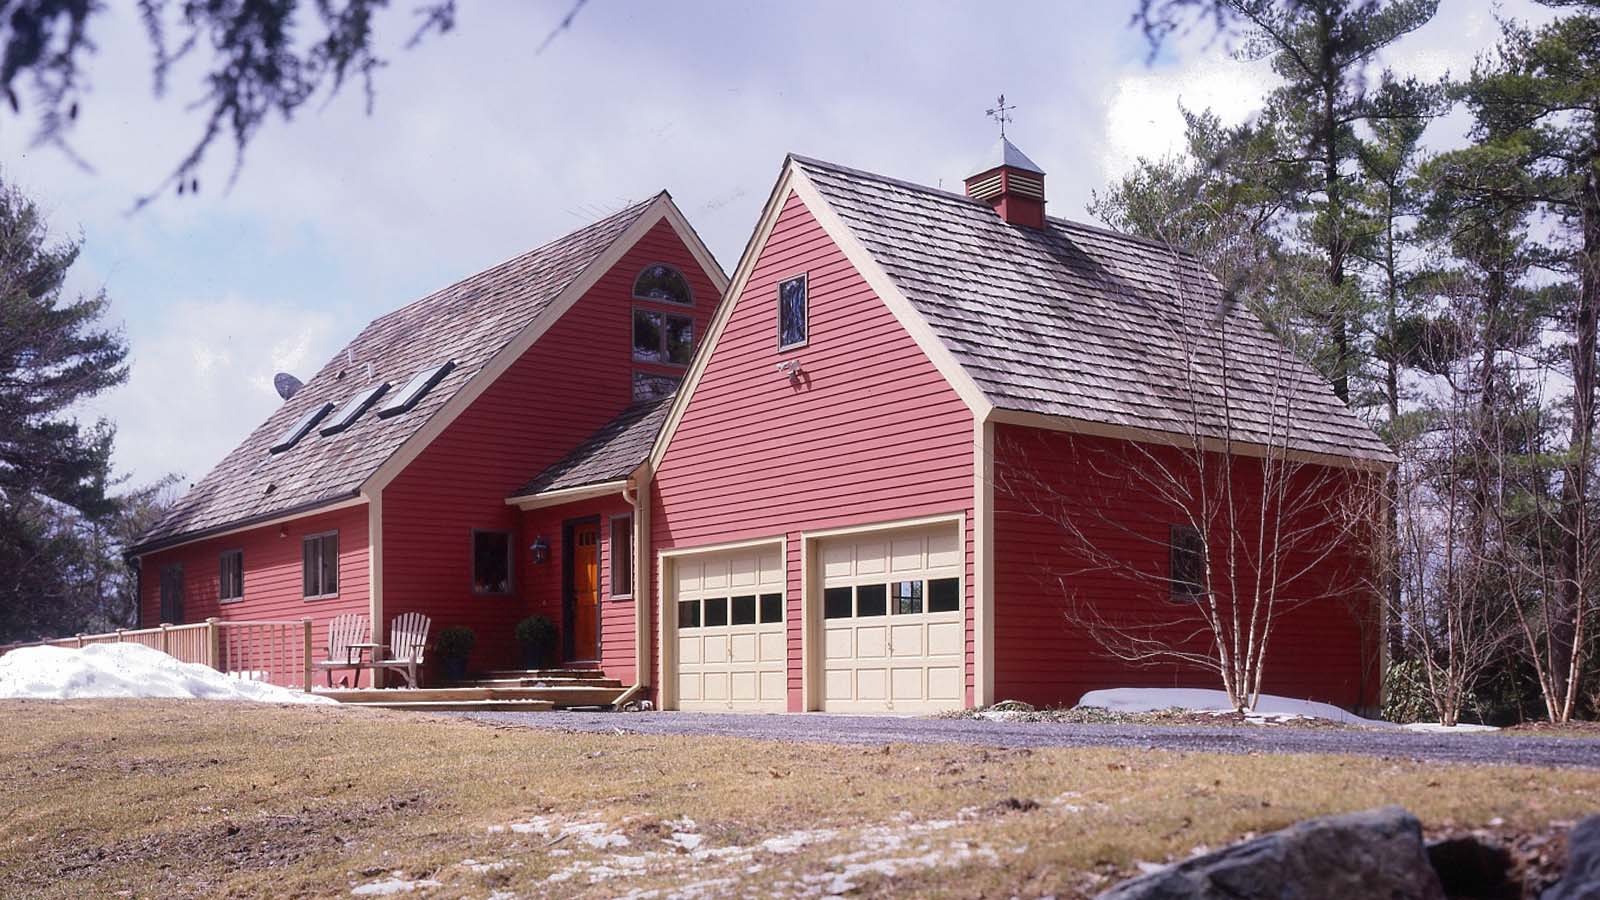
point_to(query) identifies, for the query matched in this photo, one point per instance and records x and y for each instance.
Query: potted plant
(537, 635)
(453, 645)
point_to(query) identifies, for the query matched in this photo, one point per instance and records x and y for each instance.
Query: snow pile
(1458, 728)
(126, 670)
(1141, 700)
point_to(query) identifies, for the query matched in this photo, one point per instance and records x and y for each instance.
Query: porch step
(553, 695)
(574, 672)
(559, 681)
(465, 705)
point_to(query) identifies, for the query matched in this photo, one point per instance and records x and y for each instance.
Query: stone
(1581, 880)
(1377, 853)
(1470, 868)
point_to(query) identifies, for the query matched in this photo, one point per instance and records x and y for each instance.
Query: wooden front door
(583, 572)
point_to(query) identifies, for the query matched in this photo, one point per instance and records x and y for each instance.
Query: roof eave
(322, 504)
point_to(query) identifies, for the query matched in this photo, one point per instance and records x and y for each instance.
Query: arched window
(663, 283)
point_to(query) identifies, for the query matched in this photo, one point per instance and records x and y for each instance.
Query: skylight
(353, 408)
(419, 384)
(298, 430)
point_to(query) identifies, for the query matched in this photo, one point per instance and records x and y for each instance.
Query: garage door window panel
(715, 611)
(944, 595)
(907, 598)
(744, 610)
(872, 600)
(688, 614)
(771, 608)
(837, 603)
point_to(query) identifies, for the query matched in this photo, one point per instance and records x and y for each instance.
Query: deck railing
(275, 652)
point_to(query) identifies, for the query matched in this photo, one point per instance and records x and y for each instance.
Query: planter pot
(534, 657)
(455, 668)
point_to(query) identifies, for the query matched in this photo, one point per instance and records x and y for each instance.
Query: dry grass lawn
(178, 798)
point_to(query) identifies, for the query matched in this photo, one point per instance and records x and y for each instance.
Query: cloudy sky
(479, 148)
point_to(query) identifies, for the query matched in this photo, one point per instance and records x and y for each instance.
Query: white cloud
(1144, 117)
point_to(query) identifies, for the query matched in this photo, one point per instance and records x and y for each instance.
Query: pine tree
(54, 470)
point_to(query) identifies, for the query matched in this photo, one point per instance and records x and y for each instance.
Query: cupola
(1011, 183)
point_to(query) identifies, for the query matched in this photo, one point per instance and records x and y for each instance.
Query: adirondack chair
(345, 634)
(408, 636)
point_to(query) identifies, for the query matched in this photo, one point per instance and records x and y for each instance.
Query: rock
(1377, 853)
(1472, 869)
(1581, 881)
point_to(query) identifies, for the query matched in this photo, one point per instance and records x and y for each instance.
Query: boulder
(1581, 881)
(1378, 853)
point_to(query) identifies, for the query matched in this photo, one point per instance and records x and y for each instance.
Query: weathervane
(1000, 113)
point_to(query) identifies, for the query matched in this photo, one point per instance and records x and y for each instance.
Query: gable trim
(792, 180)
(661, 209)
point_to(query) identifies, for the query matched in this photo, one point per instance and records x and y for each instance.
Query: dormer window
(663, 284)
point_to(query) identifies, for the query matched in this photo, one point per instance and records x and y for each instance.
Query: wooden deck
(521, 690)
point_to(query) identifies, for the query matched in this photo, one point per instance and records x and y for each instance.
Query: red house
(934, 450)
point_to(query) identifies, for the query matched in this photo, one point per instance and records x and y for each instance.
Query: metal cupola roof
(1005, 153)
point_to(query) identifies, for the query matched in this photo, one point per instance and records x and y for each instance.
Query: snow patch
(127, 671)
(394, 885)
(1269, 706)
(1459, 728)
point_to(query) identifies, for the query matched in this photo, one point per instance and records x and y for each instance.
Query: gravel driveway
(1464, 748)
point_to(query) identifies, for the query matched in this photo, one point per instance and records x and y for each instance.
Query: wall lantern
(540, 548)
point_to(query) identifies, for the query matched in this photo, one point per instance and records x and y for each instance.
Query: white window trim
(337, 576)
(804, 278)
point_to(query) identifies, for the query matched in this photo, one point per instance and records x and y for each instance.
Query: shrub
(1406, 697)
(536, 632)
(456, 642)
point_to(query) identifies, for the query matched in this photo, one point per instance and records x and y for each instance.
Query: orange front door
(586, 592)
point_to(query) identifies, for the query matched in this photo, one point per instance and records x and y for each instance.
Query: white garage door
(731, 646)
(893, 622)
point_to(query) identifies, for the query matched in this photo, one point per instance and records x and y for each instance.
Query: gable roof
(468, 323)
(1087, 325)
(610, 454)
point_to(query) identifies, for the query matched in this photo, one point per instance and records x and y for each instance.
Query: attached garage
(725, 630)
(892, 621)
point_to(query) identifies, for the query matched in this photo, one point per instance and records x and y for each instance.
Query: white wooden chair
(408, 637)
(346, 634)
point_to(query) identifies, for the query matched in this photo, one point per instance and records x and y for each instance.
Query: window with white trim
(230, 576)
(320, 565)
(793, 312)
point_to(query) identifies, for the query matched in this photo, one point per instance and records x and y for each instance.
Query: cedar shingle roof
(468, 322)
(610, 454)
(1087, 324)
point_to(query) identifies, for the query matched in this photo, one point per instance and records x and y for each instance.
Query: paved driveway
(1466, 748)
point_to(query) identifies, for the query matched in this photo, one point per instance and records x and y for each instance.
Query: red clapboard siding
(1045, 655)
(273, 575)
(542, 584)
(873, 433)
(573, 380)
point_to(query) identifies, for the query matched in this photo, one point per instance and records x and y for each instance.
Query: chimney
(1011, 184)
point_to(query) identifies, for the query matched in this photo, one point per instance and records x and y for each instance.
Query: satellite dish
(286, 384)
